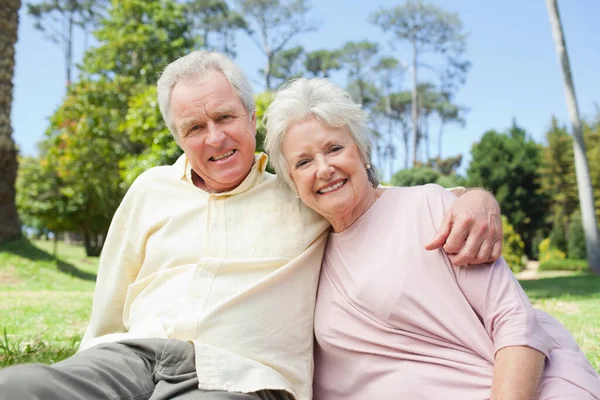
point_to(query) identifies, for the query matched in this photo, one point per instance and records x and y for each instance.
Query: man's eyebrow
(224, 109)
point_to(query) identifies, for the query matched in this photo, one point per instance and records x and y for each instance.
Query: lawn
(45, 302)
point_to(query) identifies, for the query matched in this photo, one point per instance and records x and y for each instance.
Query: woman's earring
(368, 166)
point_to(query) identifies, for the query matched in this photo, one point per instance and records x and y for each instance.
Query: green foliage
(151, 141)
(287, 64)
(359, 58)
(568, 264)
(576, 245)
(272, 24)
(558, 239)
(41, 200)
(513, 249)
(547, 252)
(507, 164)
(215, 24)
(422, 175)
(321, 63)
(451, 181)
(557, 171)
(109, 129)
(415, 176)
(591, 133)
(262, 101)
(138, 40)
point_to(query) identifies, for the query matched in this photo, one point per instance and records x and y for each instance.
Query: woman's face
(327, 169)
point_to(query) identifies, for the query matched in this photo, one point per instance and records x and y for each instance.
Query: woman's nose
(325, 170)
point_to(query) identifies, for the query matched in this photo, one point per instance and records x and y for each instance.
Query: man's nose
(215, 135)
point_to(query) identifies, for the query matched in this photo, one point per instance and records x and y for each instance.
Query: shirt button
(204, 273)
(213, 228)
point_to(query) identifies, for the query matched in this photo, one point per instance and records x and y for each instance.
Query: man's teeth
(220, 156)
(333, 187)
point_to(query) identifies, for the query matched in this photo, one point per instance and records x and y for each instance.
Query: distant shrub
(563, 265)
(558, 239)
(415, 176)
(549, 253)
(576, 240)
(513, 250)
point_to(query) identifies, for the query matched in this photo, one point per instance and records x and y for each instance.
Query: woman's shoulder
(417, 193)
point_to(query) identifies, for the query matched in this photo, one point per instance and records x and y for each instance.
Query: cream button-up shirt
(235, 273)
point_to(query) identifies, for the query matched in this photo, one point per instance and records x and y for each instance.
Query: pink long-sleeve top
(395, 321)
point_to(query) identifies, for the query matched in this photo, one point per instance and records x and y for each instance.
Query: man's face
(216, 131)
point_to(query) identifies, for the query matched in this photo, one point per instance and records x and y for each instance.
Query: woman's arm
(520, 343)
(517, 373)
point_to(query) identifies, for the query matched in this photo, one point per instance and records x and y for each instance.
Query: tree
(215, 23)
(137, 40)
(272, 24)
(428, 29)
(41, 198)
(109, 121)
(557, 175)
(10, 228)
(387, 73)
(584, 183)
(591, 133)
(288, 64)
(59, 18)
(321, 63)
(359, 59)
(508, 165)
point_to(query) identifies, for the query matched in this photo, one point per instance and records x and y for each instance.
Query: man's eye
(225, 117)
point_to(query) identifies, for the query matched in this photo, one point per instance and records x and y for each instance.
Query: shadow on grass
(24, 248)
(578, 286)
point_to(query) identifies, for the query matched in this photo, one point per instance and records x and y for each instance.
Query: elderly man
(206, 286)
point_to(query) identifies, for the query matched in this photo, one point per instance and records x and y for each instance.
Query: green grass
(45, 302)
(574, 300)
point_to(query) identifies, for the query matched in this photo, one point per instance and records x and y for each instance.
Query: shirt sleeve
(119, 265)
(495, 294)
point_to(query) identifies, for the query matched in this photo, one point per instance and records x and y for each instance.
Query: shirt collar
(254, 177)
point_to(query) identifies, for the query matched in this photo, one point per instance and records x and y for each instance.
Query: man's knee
(27, 382)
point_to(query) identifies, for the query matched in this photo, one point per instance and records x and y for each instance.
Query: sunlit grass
(45, 302)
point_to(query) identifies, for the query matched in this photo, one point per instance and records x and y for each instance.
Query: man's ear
(253, 122)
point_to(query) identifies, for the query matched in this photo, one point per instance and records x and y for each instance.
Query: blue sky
(515, 70)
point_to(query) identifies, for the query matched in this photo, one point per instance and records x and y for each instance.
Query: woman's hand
(471, 232)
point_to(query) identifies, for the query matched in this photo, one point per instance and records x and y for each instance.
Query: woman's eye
(335, 148)
(301, 163)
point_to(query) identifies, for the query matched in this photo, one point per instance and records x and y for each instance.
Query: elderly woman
(394, 320)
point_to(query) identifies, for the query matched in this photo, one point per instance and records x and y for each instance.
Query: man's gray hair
(329, 104)
(195, 66)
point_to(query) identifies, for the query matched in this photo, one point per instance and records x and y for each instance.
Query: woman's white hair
(329, 104)
(195, 66)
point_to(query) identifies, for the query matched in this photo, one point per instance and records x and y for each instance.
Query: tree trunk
(10, 227)
(584, 183)
(69, 49)
(415, 107)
